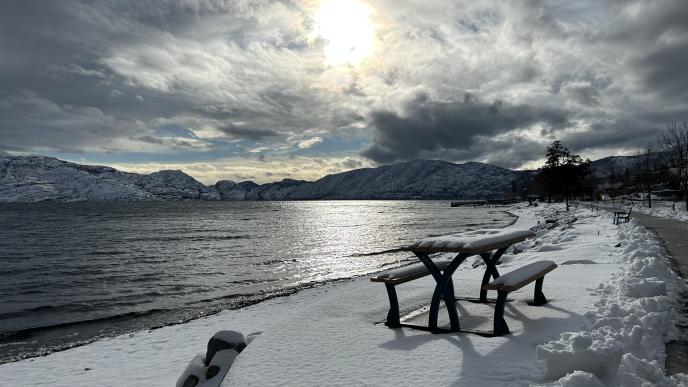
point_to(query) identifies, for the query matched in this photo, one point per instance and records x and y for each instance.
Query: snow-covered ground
(664, 209)
(610, 311)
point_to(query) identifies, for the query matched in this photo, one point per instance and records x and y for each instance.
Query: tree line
(566, 175)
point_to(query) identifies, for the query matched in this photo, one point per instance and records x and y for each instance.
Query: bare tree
(611, 177)
(674, 141)
(646, 175)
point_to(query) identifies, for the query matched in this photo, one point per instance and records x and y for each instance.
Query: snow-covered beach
(612, 305)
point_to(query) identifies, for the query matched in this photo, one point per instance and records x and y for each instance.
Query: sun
(346, 27)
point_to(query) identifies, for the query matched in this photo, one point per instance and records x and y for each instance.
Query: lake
(71, 273)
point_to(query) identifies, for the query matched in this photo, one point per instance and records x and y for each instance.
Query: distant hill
(420, 179)
(604, 167)
(38, 178)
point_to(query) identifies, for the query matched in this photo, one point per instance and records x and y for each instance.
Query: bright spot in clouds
(310, 142)
(346, 26)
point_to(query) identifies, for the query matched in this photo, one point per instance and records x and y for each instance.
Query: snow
(222, 360)
(412, 269)
(521, 274)
(476, 240)
(610, 311)
(636, 314)
(37, 178)
(664, 209)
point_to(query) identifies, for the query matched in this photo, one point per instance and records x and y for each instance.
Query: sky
(265, 90)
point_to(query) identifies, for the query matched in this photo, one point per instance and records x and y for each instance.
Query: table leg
(444, 289)
(490, 269)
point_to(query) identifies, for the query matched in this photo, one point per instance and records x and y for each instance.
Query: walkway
(674, 234)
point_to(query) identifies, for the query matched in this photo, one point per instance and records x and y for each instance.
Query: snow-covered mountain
(420, 179)
(37, 178)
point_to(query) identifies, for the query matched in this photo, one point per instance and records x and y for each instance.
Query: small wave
(390, 251)
(106, 253)
(17, 271)
(187, 238)
(275, 262)
(22, 334)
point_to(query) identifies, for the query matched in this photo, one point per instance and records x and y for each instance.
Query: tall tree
(611, 177)
(563, 172)
(646, 172)
(674, 141)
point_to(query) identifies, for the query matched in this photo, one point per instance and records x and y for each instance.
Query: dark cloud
(639, 23)
(106, 76)
(251, 133)
(665, 69)
(144, 64)
(29, 121)
(584, 94)
(638, 129)
(428, 127)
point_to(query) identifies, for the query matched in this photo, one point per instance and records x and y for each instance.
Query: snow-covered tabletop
(468, 243)
(477, 241)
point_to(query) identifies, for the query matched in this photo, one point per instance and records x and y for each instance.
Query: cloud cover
(193, 81)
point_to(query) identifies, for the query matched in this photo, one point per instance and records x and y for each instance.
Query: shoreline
(513, 216)
(65, 336)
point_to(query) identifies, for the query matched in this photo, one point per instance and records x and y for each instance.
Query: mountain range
(40, 178)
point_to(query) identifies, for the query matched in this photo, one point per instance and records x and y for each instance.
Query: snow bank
(636, 315)
(664, 209)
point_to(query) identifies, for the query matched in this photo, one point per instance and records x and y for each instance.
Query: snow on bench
(408, 273)
(476, 241)
(522, 276)
(515, 280)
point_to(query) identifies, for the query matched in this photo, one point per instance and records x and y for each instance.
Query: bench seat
(521, 277)
(515, 280)
(408, 273)
(397, 276)
(625, 215)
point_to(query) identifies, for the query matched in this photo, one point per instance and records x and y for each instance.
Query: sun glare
(346, 26)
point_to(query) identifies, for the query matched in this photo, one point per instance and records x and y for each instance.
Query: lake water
(71, 273)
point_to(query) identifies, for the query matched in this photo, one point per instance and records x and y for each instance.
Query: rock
(224, 340)
(212, 371)
(191, 381)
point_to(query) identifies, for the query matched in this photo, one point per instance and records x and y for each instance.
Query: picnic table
(489, 244)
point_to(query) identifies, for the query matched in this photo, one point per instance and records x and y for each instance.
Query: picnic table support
(490, 270)
(500, 327)
(393, 319)
(513, 281)
(444, 289)
(539, 298)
